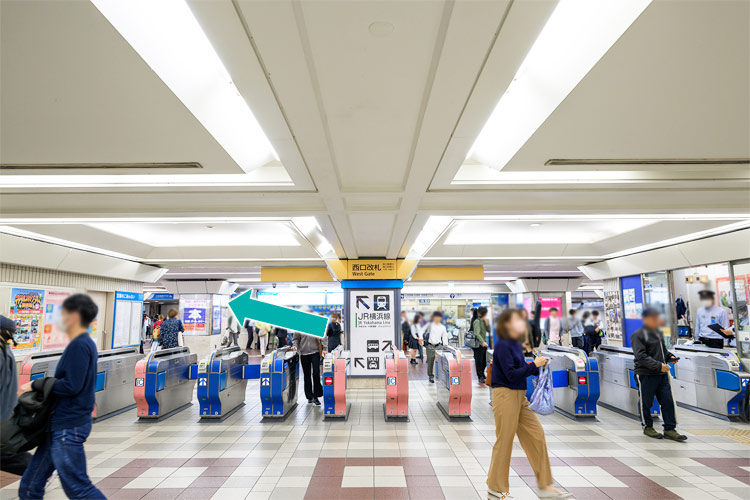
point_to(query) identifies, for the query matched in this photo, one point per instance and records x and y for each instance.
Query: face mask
(707, 303)
(62, 324)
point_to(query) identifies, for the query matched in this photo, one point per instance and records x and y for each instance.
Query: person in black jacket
(652, 376)
(15, 463)
(70, 425)
(333, 331)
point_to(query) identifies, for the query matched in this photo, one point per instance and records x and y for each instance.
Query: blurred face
(651, 322)
(707, 302)
(68, 321)
(553, 313)
(516, 327)
(437, 319)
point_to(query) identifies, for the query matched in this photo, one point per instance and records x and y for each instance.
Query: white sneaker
(554, 494)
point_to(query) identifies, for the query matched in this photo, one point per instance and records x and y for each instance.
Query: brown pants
(513, 416)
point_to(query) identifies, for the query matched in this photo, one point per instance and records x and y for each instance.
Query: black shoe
(309, 401)
(413, 362)
(482, 381)
(432, 380)
(316, 401)
(674, 436)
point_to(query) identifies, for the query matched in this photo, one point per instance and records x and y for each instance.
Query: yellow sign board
(361, 269)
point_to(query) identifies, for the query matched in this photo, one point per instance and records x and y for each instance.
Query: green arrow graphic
(244, 307)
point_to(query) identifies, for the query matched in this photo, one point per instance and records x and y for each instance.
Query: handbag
(488, 380)
(542, 399)
(470, 340)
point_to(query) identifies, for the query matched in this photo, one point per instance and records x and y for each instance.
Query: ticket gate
(396, 406)
(575, 381)
(163, 385)
(453, 382)
(114, 374)
(278, 383)
(334, 385)
(222, 380)
(619, 389)
(710, 380)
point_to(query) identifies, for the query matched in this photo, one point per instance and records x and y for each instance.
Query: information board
(126, 330)
(26, 308)
(371, 329)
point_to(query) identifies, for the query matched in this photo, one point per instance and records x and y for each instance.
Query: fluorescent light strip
(435, 226)
(167, 36)
(576, 36)
(211, 274)
(185, 220)
(150, 181)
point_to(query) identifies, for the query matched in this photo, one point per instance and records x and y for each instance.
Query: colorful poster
(26, 309)
(216, 319)
(53, 337)
(612, 313)
(631, 307)
(724, 292)
(548, 303)
(194, 319)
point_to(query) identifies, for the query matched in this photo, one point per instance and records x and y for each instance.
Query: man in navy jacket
(70, 425)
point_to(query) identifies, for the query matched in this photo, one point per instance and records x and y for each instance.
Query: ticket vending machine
(710, 380)
(222, 380)
(335, 364)
(619, 388)
(163, 386)
(453, 383)
(396, 406)
(575, 381)
(114, 377)
(278, 383)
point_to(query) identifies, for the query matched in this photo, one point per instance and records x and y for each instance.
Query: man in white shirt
(711, 314)
(436, 337)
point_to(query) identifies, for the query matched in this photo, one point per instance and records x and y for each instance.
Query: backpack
(27, 427)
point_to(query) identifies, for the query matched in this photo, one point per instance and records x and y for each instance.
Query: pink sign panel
(548, 303)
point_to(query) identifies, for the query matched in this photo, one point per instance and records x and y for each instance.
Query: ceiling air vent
(647, 161)
(98, 166)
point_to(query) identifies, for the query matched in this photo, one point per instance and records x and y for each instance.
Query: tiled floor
(427, 458)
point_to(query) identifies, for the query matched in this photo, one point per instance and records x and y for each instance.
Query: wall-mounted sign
(162, 296)
(126, 330)
(371, 327)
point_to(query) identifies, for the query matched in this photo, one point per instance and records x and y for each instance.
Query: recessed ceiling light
(535, 224)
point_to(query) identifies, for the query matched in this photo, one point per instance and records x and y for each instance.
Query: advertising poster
(632, 308)
(612, 314)
(26, 309)
(372, 327)
(53, 337)
(216, 319)
(194, 316)
(548, 303)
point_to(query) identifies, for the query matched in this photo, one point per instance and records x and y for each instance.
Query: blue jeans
(62, 451)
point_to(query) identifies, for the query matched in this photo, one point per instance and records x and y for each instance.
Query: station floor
(426, 458)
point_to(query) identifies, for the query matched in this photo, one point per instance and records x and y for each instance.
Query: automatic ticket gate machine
(396, 406)
(575, 381)
(278, 383)
(334, 385)
(222, 380)
(710, 380)
(114, 377)
(163, 385)
(453, 383)
(619, 388)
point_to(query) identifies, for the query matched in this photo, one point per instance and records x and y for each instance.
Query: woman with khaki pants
(512, 414)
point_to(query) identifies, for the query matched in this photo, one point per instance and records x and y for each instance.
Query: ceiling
(372, 108)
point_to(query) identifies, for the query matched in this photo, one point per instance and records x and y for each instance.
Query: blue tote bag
(542, 400)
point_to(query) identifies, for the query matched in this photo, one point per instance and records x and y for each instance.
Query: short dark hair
(595, 313)
(586, 314)
(83, 305)
(572, 311)
(481, 311)
(553, 309)
(437, 314)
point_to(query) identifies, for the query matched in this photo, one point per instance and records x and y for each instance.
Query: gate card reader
(396, 406)
(222, 380)
(163, 385)
(453, 383)
(334, 385)
(619, 388)
(710, 380)
(114, 375)
(278, 383)
(575, 381)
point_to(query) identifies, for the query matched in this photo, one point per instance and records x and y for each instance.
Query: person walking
(652, 361)
(169, 333)
(417, 329)
(70, 424)
(553, 327)
(282, 337)
(435, 336)
(511, 410)
(233, 331)
(333, 331)
(576, 330)
(14, 463)
(590, 332)
(157, 327)
(480, 327)
(310, 348)
(249, 326)
(263, 330)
